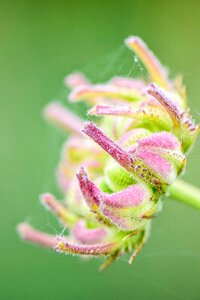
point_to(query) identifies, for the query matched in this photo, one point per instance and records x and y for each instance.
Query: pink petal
(75, 79)
(117, 207)
(133, 136)
(111, 110)
(170, 106)
(155, 69)
(58, 209)
(91, 250)
(158, 164)
(32, 235)
(144, 114)
(120, 155)
(128, 83)
(132, 196)
(91, 93)
(164, 140)
(62, 117)
(88, 236)
(90, 192)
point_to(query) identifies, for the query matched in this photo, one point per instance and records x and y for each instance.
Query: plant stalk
(185, 192)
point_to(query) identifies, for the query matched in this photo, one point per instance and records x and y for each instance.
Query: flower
(114, 175)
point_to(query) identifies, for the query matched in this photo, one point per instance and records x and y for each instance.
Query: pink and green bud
(133, 157)
(124, 209)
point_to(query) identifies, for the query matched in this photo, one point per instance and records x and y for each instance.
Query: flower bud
(133, 156)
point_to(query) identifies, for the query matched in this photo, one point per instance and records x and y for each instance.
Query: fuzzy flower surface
(114, 173)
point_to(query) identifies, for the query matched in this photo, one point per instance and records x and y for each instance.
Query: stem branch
(185, 192)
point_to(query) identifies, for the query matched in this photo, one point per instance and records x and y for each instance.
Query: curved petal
(63, 118)
(87, 235)
(57, 208)
(76, 79)
(155, 69)
(91, 250)
(28, 233)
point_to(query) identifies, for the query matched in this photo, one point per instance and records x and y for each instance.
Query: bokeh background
(40, 42)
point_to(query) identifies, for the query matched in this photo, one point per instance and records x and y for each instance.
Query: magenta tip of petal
(75, 79)
(82, 175)
(170, 106)
(89, 190)
(152, 87)
(23, 229)
(132, 39)
(46, 199)
(86, 125)
(50, 109)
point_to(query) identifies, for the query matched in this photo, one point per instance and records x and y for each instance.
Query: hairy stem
(185, 192)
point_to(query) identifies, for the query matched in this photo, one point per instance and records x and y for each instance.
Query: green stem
(186, 193)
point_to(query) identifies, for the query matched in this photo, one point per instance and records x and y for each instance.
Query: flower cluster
(113, 174)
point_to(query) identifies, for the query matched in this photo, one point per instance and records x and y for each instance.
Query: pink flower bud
(133, 157)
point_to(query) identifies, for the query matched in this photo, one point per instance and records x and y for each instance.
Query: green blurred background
(40, 42)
